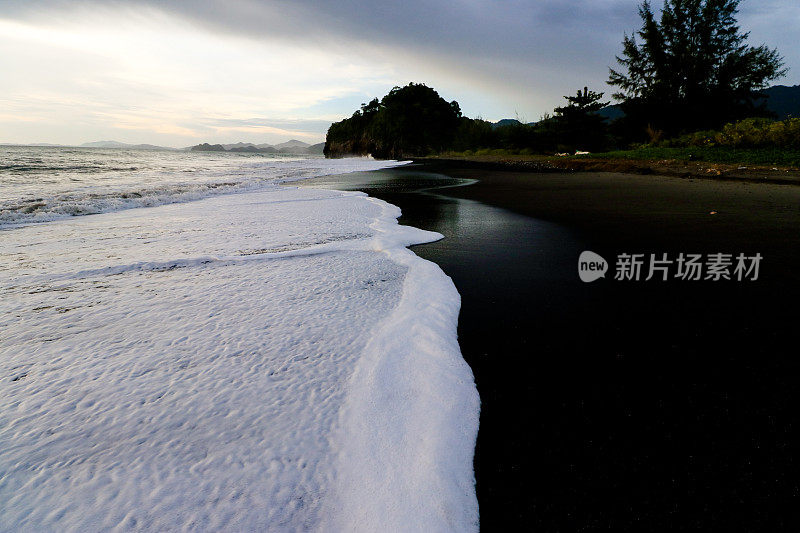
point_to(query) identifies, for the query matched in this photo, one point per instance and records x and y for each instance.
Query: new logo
(591, 267)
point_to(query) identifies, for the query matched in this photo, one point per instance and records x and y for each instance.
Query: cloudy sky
(181, 72)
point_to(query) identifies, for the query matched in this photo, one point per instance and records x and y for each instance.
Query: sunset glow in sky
(179, 73)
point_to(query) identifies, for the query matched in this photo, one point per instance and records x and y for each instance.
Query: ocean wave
(49, 200)
(63, 168)
(90, 203)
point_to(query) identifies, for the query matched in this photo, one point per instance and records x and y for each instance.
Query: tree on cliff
(410, 120)
(693, 69)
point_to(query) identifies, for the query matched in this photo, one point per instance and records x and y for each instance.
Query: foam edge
(408, 428)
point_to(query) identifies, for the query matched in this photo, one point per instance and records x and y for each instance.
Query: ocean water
(39, 184)
(187, 344)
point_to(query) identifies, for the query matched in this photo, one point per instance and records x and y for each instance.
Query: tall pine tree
(692, 69)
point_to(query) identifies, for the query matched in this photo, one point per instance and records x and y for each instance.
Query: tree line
(688, 69)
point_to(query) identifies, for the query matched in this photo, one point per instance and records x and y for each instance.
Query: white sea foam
(276, 360)
(409, 422)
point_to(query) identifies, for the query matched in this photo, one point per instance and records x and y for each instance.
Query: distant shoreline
(291, 147)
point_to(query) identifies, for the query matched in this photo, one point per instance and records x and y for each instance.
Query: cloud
(138, 72)
(520, 41)
(191, 63)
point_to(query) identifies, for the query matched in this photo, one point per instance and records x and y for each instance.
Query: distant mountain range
(508, 122)
(115, 144)
(289, 147)
(98, 144)
(294, 147)
(782, 100)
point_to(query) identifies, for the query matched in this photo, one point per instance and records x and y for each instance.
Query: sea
(190, 342)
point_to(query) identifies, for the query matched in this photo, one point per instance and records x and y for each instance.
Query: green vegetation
(754, 141)
(415, 121)
(767, 156)
(713, 154)
(748, 133)
(410, 120)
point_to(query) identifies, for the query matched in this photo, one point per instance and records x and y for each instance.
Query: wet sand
(618, 404)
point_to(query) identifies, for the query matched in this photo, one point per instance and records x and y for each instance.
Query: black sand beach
(618, 404)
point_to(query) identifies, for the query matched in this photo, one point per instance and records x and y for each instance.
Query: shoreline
(669, 168)
(609, 404)
(649, 213)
